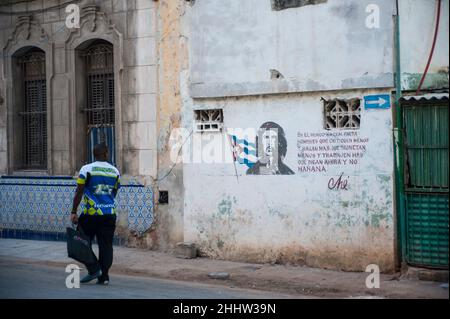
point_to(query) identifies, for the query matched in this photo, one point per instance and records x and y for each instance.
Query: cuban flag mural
(244, 152)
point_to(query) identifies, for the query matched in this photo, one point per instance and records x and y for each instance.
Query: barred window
(33, 115)
(99, 110)
(342, 114)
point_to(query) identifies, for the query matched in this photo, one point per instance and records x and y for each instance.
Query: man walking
(99, 183)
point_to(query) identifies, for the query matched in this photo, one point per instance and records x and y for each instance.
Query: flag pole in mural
(244, 152)
(234, 156)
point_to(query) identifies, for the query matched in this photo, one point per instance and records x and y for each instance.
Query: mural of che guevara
(271, 148)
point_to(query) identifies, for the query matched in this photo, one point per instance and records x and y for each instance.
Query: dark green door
(426, 182)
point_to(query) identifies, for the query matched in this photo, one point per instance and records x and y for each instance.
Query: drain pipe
(398, 144)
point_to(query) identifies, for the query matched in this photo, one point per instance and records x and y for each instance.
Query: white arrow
(380, 101)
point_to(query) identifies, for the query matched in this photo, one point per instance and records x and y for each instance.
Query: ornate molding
(26, 30)
(93, 23)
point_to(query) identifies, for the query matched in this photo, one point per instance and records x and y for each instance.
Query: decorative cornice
(91, 20)
(26, 29)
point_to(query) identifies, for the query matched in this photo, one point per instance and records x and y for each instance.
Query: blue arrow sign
(379, 101)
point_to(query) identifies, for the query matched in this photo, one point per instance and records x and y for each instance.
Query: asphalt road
(21, 280)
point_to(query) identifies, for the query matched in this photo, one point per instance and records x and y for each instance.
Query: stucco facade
(293, 66)
(328, 213)
(130, 29)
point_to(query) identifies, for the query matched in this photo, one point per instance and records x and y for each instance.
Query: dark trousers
(102, 227)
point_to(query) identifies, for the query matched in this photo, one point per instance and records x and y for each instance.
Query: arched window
(99, 111)
(31, 110)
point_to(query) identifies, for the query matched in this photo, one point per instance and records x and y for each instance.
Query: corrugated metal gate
(426, 181)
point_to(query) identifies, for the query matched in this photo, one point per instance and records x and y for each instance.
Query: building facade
(264, 131)
(331, 78)
(68, 71)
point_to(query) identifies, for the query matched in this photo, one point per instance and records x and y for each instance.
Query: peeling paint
(291, 219)
(224, 207)
(288, 4)
(439, 80)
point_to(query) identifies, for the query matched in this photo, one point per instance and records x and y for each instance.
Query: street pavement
(22, 280)
(271, 280)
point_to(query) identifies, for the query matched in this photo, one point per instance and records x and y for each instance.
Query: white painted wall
(318, 49)
(234, 44)
(296, 217)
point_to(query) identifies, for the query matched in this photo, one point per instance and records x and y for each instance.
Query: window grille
(209, 120)
(34, 113)
(342, 114)
(100, 115)
(100, 86)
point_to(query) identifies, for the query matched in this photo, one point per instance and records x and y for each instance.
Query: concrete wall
(319, 47)
(417, 26)
(131, 27)
(147, 40)
(172, 60)
(323, 51)
(296, 218)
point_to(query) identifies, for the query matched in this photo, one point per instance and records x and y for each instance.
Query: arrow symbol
(380, 101)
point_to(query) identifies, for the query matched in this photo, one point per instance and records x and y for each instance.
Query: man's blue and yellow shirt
(102, 181)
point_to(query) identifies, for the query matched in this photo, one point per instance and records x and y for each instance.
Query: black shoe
(89, 277)
(103, 280)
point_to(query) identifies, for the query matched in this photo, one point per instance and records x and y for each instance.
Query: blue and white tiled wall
(39, 207)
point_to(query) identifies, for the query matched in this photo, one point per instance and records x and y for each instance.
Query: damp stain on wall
(278, 5)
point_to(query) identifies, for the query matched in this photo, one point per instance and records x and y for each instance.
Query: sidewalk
(278, 278)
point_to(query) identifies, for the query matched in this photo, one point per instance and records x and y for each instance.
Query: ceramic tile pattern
(44, 204)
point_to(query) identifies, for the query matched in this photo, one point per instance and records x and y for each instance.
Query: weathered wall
(132, 25)
(296, 218)
(172, 59)
(290, 218)
(318, 47)
(417, 26)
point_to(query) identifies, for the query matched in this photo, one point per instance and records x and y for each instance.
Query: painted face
(269, 141)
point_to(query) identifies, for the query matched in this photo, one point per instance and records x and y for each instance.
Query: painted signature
(337, 184)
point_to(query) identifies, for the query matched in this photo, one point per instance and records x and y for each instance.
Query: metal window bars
(34, 113)
(100, 86)
(100, 115)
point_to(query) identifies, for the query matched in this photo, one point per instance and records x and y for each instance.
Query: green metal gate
(426, 173)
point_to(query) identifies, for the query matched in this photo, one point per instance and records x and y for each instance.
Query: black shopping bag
(79, 246)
